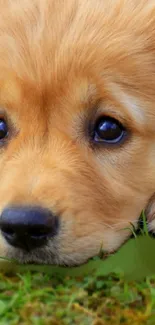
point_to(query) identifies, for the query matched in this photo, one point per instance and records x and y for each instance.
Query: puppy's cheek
(83, 248)
(115, 238)
(150, 214)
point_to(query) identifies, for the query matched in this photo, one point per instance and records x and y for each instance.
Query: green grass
(38, 298)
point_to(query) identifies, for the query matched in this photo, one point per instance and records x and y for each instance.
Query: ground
(36, 298)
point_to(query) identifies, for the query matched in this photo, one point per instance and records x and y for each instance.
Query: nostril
(34, 232)
(7, 230)
(37, 232)
(8, 233)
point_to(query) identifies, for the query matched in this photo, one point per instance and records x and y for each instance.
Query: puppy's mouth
(44, 255)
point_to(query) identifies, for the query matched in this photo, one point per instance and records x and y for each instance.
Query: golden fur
(63, 63)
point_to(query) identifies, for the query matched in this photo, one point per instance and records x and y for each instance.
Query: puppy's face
(77, 125)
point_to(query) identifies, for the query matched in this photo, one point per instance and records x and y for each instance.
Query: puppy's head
(77, 125)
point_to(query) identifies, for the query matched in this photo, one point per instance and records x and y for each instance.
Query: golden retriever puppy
(77, 126)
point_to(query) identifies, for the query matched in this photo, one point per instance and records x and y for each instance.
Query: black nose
(28, 227)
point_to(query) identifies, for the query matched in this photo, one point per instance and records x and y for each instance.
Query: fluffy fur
(63, 63)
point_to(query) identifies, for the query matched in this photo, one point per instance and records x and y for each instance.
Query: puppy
(77, 126)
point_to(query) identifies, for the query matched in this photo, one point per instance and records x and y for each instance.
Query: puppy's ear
(150, 214)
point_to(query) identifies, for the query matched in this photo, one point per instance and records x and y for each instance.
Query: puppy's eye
(108, 130)
(3, 129)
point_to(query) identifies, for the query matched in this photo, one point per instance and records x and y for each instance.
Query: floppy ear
(150, 214)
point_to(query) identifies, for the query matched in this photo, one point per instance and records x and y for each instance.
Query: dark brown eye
(3, 129)
(108, 130)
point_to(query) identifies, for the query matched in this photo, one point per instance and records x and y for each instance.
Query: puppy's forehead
(46, 46)
(46, 39)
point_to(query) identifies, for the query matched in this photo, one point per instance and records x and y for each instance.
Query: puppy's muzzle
(28, 227)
